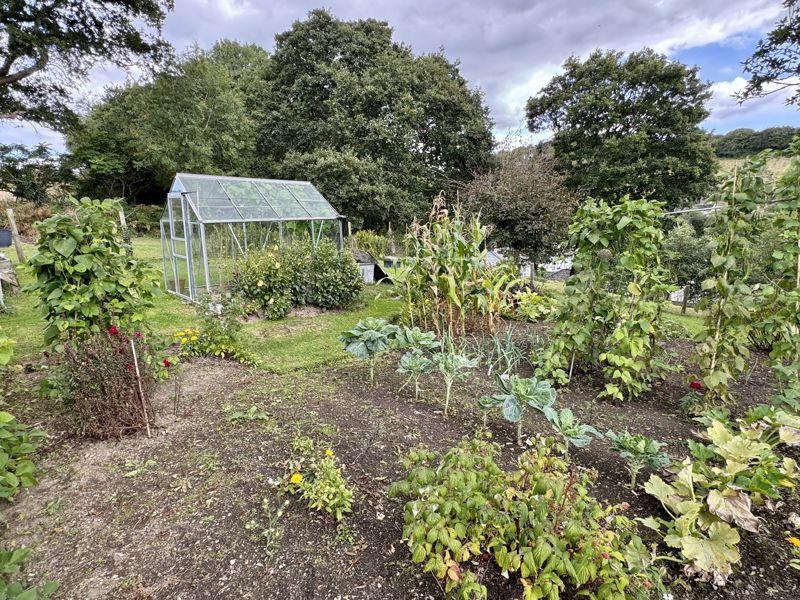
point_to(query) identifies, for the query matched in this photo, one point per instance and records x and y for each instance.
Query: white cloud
(508, 48)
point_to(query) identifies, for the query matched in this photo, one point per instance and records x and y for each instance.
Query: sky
(507, 48)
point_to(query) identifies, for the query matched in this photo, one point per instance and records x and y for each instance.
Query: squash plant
(722, 346)
(712, 492)
(368, 339)
(84, 278)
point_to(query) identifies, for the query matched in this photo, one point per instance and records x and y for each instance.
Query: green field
(285, 345)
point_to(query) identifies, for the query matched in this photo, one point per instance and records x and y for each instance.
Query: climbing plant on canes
(780, 301)
(612, 309)
(722, 346)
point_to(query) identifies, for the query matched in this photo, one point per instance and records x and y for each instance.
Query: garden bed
(166, 517)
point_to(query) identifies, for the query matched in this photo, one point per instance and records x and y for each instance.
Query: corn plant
(517, 394)
(454, 366)
(414, 364)
(367, 340)
(638, 451)
(444, 278)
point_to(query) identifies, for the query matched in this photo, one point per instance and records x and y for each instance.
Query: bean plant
(612, 308)
(453, 365)
(722, 346)
(638, 451)
(368, 339)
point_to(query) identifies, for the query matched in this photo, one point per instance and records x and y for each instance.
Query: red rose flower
(166, 363)
(605, 555)
(129, 367)
(138, 335)
(696, 385)
(113, 330)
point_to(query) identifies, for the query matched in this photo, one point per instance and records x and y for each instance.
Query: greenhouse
(210, 222)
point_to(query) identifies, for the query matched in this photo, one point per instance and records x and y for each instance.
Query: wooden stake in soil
(126, 234)
(12, 222)
(139, 383)
(571, 364)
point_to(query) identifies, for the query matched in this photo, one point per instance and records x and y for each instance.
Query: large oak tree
(628, 124)
(376, 127)
(47, 46)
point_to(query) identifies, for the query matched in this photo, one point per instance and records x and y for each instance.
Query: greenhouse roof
(220, 199)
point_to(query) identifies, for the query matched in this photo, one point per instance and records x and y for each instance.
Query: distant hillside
(744, 142)
(775, 166)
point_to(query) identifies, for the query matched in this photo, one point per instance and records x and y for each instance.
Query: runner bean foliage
(85, 280)
(611, 313)
(722, 346)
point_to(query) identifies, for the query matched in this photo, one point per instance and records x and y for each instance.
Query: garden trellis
(210, 222)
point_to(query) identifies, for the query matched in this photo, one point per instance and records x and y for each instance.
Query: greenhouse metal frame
(210, 222)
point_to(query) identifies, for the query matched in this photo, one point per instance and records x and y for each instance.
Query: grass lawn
(285, 345)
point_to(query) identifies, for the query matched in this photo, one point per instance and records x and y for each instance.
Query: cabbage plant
(571, 430)
(453, 366)
(414, 364)
(638, 451)
(368, 339)
(517, 394)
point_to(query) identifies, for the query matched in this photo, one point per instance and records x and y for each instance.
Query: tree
(132, 143)
(29, 173)
(47, 46)
(525, 202)
(775, 63)
(409, 121)
(743, 142)
(687, 254)
(628, 126)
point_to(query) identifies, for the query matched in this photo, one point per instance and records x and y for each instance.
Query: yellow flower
(194, 338)
(296, 478)
(184, 340)
(794, 541)
(329, 452)
(260, 282)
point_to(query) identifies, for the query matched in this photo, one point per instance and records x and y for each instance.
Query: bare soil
(164, 517)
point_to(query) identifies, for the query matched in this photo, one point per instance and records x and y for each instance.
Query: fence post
(685, 299)
(15, 235)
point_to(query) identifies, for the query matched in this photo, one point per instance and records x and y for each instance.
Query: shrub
(107, 397)
(527, 305)
(219, 334)
(84, 279)
(144, 219)
(369, 241)
(334, 278)
(17, 442)
(262, 279)
(538, 523)
(297, 274)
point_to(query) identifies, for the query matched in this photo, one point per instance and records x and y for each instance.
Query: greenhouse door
(180, 239)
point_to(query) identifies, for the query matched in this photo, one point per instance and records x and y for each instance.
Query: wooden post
(126, 234)
(349, 230)
(15, 235)
(685, 299)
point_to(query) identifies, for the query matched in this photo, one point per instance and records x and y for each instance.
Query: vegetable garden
(454, 434)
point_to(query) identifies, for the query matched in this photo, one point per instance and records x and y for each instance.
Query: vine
(612, 309)
(722, 346)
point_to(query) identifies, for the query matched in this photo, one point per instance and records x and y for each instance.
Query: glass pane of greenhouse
(212, 222)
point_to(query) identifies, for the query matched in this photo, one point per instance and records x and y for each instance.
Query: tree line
(379, 129)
